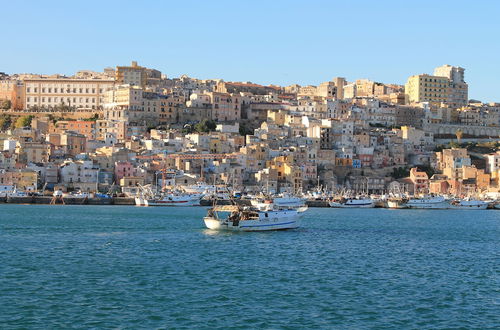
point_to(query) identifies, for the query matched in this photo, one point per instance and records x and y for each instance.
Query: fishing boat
(237, 218)
(286, 200)
(468, 204)
(264, 203)
(426, 202)
(397, 202)
(169, 199)
(358, 202)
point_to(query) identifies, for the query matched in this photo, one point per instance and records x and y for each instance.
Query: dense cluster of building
(130, 125)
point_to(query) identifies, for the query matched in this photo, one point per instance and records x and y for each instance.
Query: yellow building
(426, 88)
(288, 173)
(33, 152)
(131, 75)
(23, 179)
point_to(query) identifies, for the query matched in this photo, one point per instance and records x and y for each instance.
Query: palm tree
(459, 135)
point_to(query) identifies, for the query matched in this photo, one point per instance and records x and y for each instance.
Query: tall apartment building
(426, 88)
(50, 91)
(447, 85)
(458, 88)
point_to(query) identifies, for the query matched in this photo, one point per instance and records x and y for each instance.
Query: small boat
(236, 218)
(468, 204)
(359, 202)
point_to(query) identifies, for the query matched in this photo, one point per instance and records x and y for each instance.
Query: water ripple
(121, 267)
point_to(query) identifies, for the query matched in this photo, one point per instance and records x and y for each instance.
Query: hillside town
(131, 126)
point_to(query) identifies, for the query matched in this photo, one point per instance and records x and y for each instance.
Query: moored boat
(360, 202)
(289, 201)
(469, 204)
(397, 202)
(169, 199)
(426, 202)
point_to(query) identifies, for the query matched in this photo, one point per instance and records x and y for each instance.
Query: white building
(48, 92)
(493, 162)
(75, 172)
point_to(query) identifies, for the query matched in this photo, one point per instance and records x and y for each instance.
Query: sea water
(132, 267)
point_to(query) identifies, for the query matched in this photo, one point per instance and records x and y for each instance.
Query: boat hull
(175, 201)
(396, 204)
(469, 205)
(428, 206)
(275, 220)
(353, 205)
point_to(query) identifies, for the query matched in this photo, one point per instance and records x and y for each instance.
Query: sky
(267, 42)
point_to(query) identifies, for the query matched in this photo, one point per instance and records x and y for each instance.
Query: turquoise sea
(148, 268)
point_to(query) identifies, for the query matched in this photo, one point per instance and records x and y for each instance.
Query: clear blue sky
(279, 42)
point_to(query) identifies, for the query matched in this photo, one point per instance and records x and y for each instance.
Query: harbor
(312, 203)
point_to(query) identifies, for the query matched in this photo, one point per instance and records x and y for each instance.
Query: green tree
(5, 104)
(245, 130)
(205, 126)
(23, 121)
(5, 122)
(93, 118)
(400, 172)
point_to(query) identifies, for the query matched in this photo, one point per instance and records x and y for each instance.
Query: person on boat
(233, 216)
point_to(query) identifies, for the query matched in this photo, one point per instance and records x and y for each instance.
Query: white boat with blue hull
(235, 218)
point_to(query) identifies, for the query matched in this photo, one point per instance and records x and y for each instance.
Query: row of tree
(6, 122)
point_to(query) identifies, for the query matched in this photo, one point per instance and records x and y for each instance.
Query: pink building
(123, 169)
